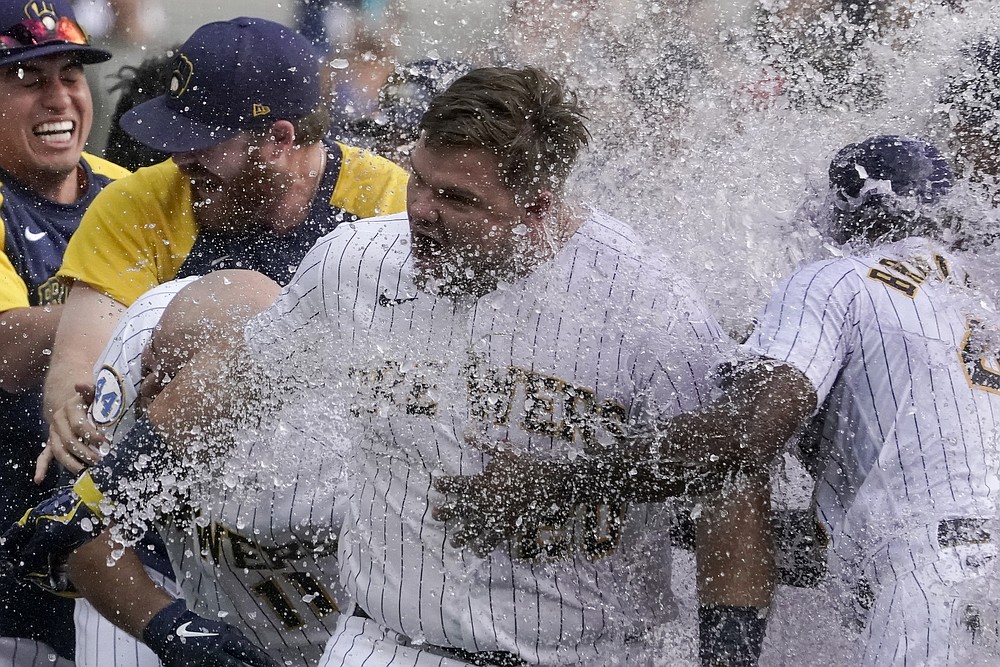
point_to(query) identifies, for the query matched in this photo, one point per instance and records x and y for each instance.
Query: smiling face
(468, 229)
(229, 182)
(47, 112)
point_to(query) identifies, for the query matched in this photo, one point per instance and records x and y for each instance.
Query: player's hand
(509, 499)
(181, 638)
(36, 547)
(74, 440)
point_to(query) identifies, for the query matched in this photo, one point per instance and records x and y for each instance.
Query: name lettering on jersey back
(906, 277)
(982, 369)
(281, 585)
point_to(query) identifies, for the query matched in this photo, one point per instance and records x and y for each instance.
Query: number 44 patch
(109, 397)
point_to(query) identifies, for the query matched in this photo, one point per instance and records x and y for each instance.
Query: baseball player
(253, 181)
(251, 563)
(492, 312)
(47, 181)
(893, 348)
(901, 356)
(117, 376)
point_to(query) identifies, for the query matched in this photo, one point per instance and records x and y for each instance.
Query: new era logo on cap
(227, 77)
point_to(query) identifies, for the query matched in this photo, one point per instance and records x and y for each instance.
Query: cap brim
(159, 127)
(88, 55)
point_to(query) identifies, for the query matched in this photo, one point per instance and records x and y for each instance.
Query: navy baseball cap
(227, 77)
(34, 29)
(889, 166)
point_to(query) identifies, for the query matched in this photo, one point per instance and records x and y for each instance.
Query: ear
(283, 134)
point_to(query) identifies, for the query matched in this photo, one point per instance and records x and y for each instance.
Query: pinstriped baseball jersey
(265, 562)
(118, 370)
(555, 364)
(894, 344)
(117, 374)
(263, 556)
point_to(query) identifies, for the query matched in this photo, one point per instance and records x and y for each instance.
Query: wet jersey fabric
(893, 342)
(595, 339)
(264, 561)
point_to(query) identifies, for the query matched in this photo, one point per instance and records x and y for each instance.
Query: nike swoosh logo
(33, 236)
(183, 631)
(215, 262)
(383, 300)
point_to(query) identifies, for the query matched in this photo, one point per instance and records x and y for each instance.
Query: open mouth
(56, 132)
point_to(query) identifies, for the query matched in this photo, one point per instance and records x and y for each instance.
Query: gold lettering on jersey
(52, 291)
(390, 385)
(312, 593)
(895, 282)
(218, 541)
(278, 601)
(538, 404)
(906, 277)
(942, 265)
(593, 531)
(917, 273)
(286, 585)
(981, 370)
(543, 405)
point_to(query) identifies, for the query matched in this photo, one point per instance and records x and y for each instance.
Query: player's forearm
(697, 452)
(87, 321)
(761, 408)
(736, 573)
(734, 546)
(26, 338)
(123, 593)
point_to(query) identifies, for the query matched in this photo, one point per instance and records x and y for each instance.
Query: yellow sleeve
(135, 235)
(13, 291)
(102, 167)
(369, 185)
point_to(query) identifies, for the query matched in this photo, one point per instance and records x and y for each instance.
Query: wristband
(730, 636)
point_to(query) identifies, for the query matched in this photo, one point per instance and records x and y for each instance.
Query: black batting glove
(36, 547)
(181, 638)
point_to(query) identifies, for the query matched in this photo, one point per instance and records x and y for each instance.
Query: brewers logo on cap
(44, 12)
(181, 76)
(260, 110)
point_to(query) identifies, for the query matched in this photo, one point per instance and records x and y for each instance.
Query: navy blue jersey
(274, 254)
(36, 232)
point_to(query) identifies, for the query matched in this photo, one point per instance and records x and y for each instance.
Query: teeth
(63, 127)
